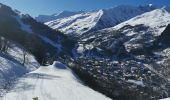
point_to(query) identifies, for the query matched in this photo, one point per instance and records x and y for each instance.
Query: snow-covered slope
(12, 67)
(55, 82)
(135, 33)
(79, 23)
(16, 52)
(144, 28)
(157, 20)
(46, 18)
(9, 71)
(96, 20)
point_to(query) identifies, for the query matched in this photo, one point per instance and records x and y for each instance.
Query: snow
(16, 53)
(157, 20)
(80, 48)
(9, 71)
(165, 99)
(79, 23)
(142, 29)
(54, 44)
(23, 26)
(136, 82)
(150, 5)
(28, 29)
(54, 82)
(91, 37)
(10, 68)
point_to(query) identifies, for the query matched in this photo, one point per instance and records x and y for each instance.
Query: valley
(118, 53)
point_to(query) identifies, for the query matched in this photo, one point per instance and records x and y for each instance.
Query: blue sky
(36, 7)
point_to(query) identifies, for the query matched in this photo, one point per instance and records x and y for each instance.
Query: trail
(54, 82)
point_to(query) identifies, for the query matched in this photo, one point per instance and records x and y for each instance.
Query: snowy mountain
(156, 23)
(156, 19)
(135, 54)
(54, 82)
(46, 18)
(96, 20)
(134, 33)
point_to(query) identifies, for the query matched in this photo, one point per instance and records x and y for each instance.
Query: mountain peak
(66, 12)
(156, 12)
(63, 14)
(157, 20)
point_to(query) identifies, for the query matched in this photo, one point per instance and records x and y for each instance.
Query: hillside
(15, 61)
(63, 14)
(37, 38)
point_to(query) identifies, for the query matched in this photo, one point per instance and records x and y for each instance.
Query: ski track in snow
(55, 82)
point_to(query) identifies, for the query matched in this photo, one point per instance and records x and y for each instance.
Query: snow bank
(59, 65)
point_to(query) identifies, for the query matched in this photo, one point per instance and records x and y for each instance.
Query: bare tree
(4, 44)
(24, 56)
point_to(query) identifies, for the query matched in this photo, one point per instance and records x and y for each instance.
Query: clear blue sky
(36, 7)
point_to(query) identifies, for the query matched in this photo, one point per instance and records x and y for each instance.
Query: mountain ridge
(46, 18)
(87, 22)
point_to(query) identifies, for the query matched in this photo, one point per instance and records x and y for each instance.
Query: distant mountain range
(122, 52)
(84, 22)
(95, 20)
(46, 18)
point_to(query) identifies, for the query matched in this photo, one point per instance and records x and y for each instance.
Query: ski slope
(54, 82)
